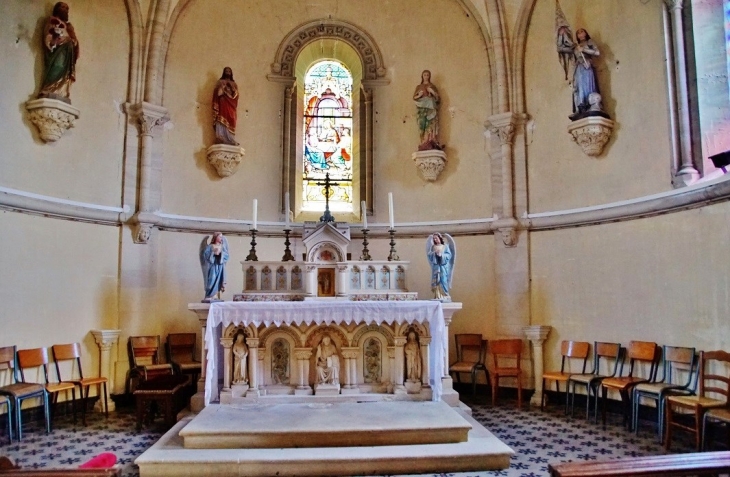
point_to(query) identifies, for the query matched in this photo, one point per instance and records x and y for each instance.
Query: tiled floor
(537, 438)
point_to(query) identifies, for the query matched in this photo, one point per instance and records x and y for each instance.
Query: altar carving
(328, 363)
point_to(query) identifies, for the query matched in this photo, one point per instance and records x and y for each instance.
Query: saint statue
(328, 363)
(225, 103)
(240, 352)
(412, 351)
(427, 101)
(213, 258)
(61, 50)
(441, 254)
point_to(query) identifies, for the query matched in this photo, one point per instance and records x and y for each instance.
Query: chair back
(144, 350)
(507, 349)
(67, 352)
(574, 350)
(679, 359)
(610, 353)
(472, 346)
(710, 381)
(7, 362)
(644, 352)
(33, 358)
(180, 347)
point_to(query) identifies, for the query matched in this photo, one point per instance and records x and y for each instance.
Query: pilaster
(537, 334)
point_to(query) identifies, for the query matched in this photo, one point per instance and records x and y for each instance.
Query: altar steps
(480, 450)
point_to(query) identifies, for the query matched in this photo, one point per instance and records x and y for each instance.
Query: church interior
(571, 155)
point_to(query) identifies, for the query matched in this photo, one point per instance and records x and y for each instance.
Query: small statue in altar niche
(441, 254)
(240, 353)
(61, 50)
(213, 258)
(225, 103)
(427, 101)
(412, 351)
(328, 363)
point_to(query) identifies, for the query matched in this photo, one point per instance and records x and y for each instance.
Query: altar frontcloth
(325, 313)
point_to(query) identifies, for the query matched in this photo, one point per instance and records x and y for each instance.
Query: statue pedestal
(52, 117)
(225, 158)
(413, 387)
(591, 134)
(326, 389)
(431, 163)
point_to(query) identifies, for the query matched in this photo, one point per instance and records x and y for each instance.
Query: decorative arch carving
(385, 332)
(331, 330)
(301, 36)
(231, 330)
(421, 329)
(266, 335)
(330, 246)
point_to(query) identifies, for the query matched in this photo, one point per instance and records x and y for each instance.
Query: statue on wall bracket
(430, 158)
(226, 154)
(52, 112)
(591, 126)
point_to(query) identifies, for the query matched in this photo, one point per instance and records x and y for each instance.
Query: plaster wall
(85, 164)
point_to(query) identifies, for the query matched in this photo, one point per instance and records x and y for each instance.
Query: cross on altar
(327, 217)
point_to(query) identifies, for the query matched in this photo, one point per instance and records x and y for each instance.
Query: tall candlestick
(286, 202)
(255, 212)
(390, 210)
(364, 212)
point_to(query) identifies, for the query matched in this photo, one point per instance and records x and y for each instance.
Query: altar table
(325, 313)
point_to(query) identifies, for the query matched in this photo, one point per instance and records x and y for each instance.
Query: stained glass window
(327, 136)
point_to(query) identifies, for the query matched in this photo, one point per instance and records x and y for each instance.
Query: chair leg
(18, 420)
(604, 398)
(106, 403)
(73, 402)
(473, 382)
(519, 392)
(542, 396)
(668, 425)
(698, 427)
(85, 404)
(704, 432)
(495, 385)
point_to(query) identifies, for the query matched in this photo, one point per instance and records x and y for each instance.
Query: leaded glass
(327, 136)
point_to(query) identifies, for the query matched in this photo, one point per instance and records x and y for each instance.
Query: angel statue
(213, 258)
(441, 253)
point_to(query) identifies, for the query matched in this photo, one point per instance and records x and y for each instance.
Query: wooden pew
(700, 463)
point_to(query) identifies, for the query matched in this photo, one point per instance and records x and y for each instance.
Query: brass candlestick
(393, 255)
(365, 252)
(252, 253)
(287, 253)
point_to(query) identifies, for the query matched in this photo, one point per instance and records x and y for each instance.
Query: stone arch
(387, 333)
(288, 331)
(231, 330)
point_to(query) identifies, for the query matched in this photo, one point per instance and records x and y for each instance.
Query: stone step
(324, 424)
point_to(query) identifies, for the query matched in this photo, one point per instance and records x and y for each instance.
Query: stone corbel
(142, 225)
(508, 229)
(148, 116)
(52, 117)
(430, 162)
(591, 134)
(225, 158)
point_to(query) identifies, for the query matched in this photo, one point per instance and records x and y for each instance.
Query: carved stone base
(591, 134)
(225, 158)
(430, 163)
(52, 117)
(326, 389)
(303, 391)
(413, 387)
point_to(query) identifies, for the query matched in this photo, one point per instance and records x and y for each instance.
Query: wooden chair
(721, 415)
(502, 350)
(570, 351)
(18, 390)
(708, 383)
(144, 358)
(6, 401)
(180, 351)
(602, 353)
(639, 352)
(676, 360)
(72, 352)
(471, 352)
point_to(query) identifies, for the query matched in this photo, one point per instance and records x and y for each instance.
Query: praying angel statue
(441, 254)
(213, 258)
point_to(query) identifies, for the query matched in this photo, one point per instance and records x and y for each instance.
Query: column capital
(400, 341)
(350, 353)
(227, 342)
(503, 126)
(302, 353)
(537, 333)
(148, 116)
(253, 343)
(105, 338)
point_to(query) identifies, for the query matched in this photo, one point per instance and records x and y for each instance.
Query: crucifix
(327, 217)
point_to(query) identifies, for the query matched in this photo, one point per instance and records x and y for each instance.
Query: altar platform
(376, 438)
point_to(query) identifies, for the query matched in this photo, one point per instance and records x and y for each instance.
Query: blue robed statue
(213, 258)
(441, 253)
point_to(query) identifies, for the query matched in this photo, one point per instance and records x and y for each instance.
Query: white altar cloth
(326, 312)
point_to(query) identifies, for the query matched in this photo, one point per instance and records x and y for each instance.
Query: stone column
(391, 368)
(448, 395)
(261, 372)
(302, 356)
(197, 401)
(400, 342)
(310, 280)
(253, 364)
(425, 362)
(343, 282)
(227, 370)
(105, 339)
(350, 355)
(537, 334)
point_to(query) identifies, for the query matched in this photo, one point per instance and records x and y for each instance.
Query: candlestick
(286, 211)
(390, 210)
(364, 212)
(393, 255)
(252, 253)
(365, 252)
(287, 253)
(255, 212)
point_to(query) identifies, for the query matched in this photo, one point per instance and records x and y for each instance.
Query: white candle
(390, 210)
(286, 204)
(364, 212)
(255, 212)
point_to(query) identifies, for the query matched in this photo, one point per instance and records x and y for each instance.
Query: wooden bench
(700, 463)
(165, 390)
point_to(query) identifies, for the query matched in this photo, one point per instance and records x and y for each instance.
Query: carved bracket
(509, 236)
(142, 233)
(592, 134)
(225, 158)
(431, 163)
(148, 117)
(52, 117)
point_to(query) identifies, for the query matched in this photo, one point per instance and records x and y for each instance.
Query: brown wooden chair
(38, 358)
(677, 361)
(144, 359)
(570, 351)
(713, 391)
(72, 352)
(608, 353)
(471, 352)
(639, 352)
(18, 391)
(506, 350)
(180, 351)
(715, 415)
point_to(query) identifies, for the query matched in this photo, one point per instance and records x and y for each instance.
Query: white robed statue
(328, 363)
(441, 254)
